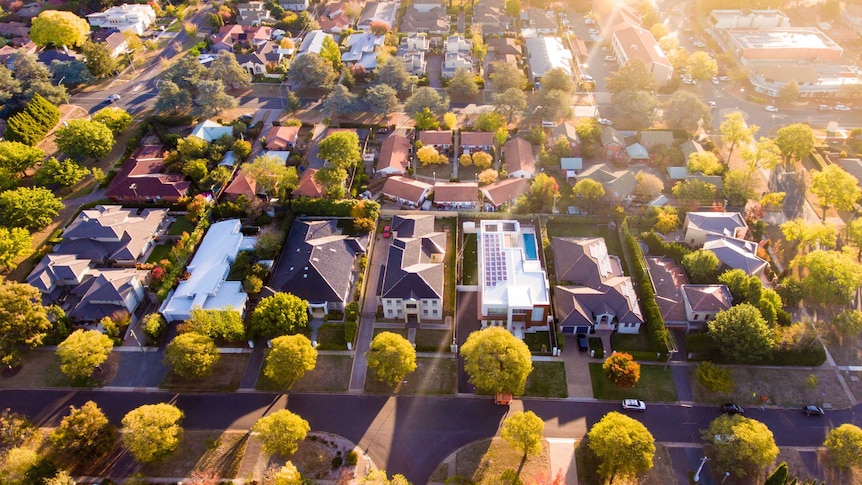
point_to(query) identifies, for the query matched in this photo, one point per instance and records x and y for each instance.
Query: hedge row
(646, 293)
(333, 208)
(32, 124)
(703, 347)
(658, 247)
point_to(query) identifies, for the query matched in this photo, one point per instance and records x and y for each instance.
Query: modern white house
(134, 17)
(206, 287)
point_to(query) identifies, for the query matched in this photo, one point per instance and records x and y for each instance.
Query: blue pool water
(530, 248)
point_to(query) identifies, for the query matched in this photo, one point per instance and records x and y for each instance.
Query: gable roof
(405, 188)
(637, 152)
(618, 183)
(639, 43)
(456, 192)
(723, 223)
(477, 138)
(145, 170)
(567, 130)
(707, 298)
(518, 155)
(394, 154)
(690, 147)
(307, 186)
(410, 272)
(412, 225)
(434, 20)
(241, 185)
(505, 191)
(105, 293)
(435, 137)
(735, 253)
(503, 45)
(281, 137)
(578, 306)
(210, 130)
(56, 267)
(667, 278)
(584, 261)
(610, 136)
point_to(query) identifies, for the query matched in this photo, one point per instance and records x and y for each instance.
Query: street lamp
(134, 189)
(726, 474)
(699, 469)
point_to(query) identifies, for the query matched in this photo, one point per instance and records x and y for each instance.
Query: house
(105, 293)
(394, 156)
(456, 195)
(241, 185)
(362, 50)
(57, 270)
(653, 138)
(206, 287)
(143, 178)
(282, 137)
(690, 147)
(31, 10)
(637, 153)
(617, 183)
(308, 187)
(412, 51)
(313, 43)
(112, 235)
(634, 42)
(319, 264)
(405, 191)
(491, 16)
(539, 22)
(381, 11)
(210, 131)
(571, 165)
(667, 278)
(334, 18)
(567, 131)
(546, 53)
(114, 41)
(440, 140)
(513, 287)
(433, 21)
(14, 29)
(700, 224)
(503, 46)
(736, 253)
(252, 13)
(594, 293)
(476, 141)
(518, 159)
(682, 173)
(412, 283)
(457, 54)
(133, 17)
(249, 36)
(503, 192)
(256, 62)
(613, 142)
(703, 302)
(293, 5)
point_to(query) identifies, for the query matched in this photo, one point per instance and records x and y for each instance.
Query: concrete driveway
(577, 369)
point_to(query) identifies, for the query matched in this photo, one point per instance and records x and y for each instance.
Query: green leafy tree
(341, 149)
(496, 361)
(17, 157)
(23, 321)
(639, 105)
(222, 324)
(844, 446)
(765, 154)
(281, 432)
(705, 162)
(540, 198)
(66, 173)
(30, 208)
(481, 160)
(15, 243)
(847, 324)
(83, 352)
(272, 175)
(513, 8)
(312, 71)
(633, 76)
(279, 314)
(667, 220)
(694, 190)
(84, 138)
(425, 120)
(61, 478)
(211, 99)
(98, 59)
(809, 235)
(116, 119)
(738, 187)
(742, 445)
(589, 130)
(735, 131)
(701, 66)
(391, 72)
(329, 52)
(152, 431)
(623, 445)
(685, 111)
(382, 99)
(835, 188)
(426, 97)
(490, 122)
(523, 431)
(832, 276)
(84, 432)
(339, 102)
(463, 84)
(391, 356)
(59, 28)
(589, 194)
(196, 169)
(701, 266)
(289, 359)
(557, 79)
(505, 76)
(332, 179)
(172, 98)
(154, 327)
(795, 142)
(192, 355)
(742, 286)
(450, 121)
(621, 369)
(510, 102)
(556, 105)
(789, 92)
(227, 69)
(714, 378)
(742, 334)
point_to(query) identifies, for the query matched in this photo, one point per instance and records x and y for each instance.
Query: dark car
(813, 411)
(730, 408)
(583, 345)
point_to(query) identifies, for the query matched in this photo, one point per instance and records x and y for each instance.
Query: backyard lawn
(450, 226)
(548, 379)
(181, 225)
(655, 385)
(160, 252)
(470, 261)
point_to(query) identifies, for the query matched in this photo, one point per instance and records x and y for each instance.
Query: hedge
(658, 247)
(646, 294)
(333, 208)
(702, 347)
(32, 124)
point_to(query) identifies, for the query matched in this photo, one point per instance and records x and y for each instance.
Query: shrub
(350, 331)
(714, 378)
(336, 462)
(154, 327)
(352, 458)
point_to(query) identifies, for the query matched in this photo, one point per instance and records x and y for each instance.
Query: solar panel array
(495, 261)
(628, 291)
(600, 252)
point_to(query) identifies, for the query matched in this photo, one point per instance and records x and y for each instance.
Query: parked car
(715, 80)
(698, 43)
(583, 344)
(610, 59)
(634, 405)
(812, 410)
(730, 408)
(711, 104)
(113, 98)
(841, 107)
(387, 231)
(606, 122)
(771, 109)
(724, 79)
(824, 107)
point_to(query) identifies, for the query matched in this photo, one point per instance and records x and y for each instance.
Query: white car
(634, 405)
(699, 44)
(715, 81)
(771, 109)
(824, 107)
(606, 122)
(610, 59)
(711, 104)
(724, 79)
(841, 107)
(113, 98)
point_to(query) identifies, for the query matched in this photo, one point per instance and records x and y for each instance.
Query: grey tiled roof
(406, 226)
(410, 272)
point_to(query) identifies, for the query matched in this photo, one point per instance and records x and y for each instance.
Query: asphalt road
(413, 434)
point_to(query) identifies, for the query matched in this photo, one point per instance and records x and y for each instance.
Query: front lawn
(181, 225)
(160, 252)
(655, 385)
(433, 375)
(588, 464)
(428, 340)
(331, 374)
(226, 376)
(548, 379)
(783, 387)
(330, 336)
(538, 342)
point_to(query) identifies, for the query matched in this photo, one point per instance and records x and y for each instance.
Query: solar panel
(496, 271)
(600, 252)
(629, 293)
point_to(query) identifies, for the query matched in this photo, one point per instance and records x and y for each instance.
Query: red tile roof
(281, 137)
(405, 188)
(518, 154)
(476, 138)
(308, 187)
(455, 192)
(241, 185)
(147, 175)
(435, 137)
(394, 154)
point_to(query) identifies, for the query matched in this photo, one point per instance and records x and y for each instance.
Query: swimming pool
(531, 251)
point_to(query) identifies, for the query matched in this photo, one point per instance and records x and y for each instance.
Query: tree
(329, 52)
(701, 266)
(98, 59)
(9, 85)
(510, 102)
(428, 155)
(341, 149)
(742, 445)
(83, 138)
(465, 160)
(172, 99)
(66, 173)
(685, 111)
(426, 97)
(513, 8)
(734, 130)
(738, 187)
(30, 208)
(339, 102)
(450, 121)
(544, 190)
(523, 431)
(211, 99)
(648, 186)
(84, 432)
(226, 68)
(15, 243)
(221, 324)
(490, 121)
(742, 334)
(311, 71)
(701, 66)
(832, 276)
(621, 369)
(83, 352)
(68, 73)
(766, 154)
(505, 76)
(789, 92)
(116, 119)
(290, 357)
(557, 79)
(382, 99)
(192, 355)
(589, 130)
(836, 188)
(844, 446)
(482, 160)
(391, 356)
(23, 320)
(425, 120)
(714, 378)
(496, 361)
(667, 219)
(241, 148)
(659, 31)
(633, 76)
(280, 432)
(332, 179)
(61, 478)
(854, 236)
(487, 176)
(705, 162)
(795, 142)
(742, 286)
(152, 431)
(694, 190)
(463, 84)
(279, 314)
(59, 28)
(638, 105)
(391, 72)
(271, 174)
(556, 105)
(17, 157)
(589, 194)
(623, 445)
(809, 234)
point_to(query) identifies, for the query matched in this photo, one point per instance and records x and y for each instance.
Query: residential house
(567, 131)
(293, 5)
(504, 46)
(654, 138)
(412, 51)
(241, 185)
(634, 42)
(690, 147)
(458, 54)
(440, 140)
(313, 43)
(413, 280)
(319, 264)
(114, 41)
(210, 131)
(406, 191)
(308, 187)
(206, 287)
(703, 302)
(513, 287)
(252, 14)
(682, 173)
(593, 291)
(394, 156)
(434, 21)
(736, 253)
(105, 293)
(614, 143)
(503, 192)
(667, 278)
(539, 22)
(282, 137)
(334, 18)
(700, 224)
(58, 270)
(637, 153)
(491, 16)
(256, 62)
(143, 178)
(456, 195)
(14, 30)
(617, 183)
(362, 50)
(518, 159)
(546, 53)
(572, 166)
(132, 17)
(476, 141)
(249, 36)
(380, 11)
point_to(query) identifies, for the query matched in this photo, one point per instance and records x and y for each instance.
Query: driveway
(467, 323)
(577, 364)
(434, 68)
(369, 309)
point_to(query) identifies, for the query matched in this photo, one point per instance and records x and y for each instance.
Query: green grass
(655, 385)
(226, 376)
(548, 379)
(638, 342)
(450, 226)
(433, 375)
(398, 331)
(470, 261)
(181, 225)
(433, 340)
(330, 336)
(535, 341)
(331, 374)
(595, 344)
(160, 252)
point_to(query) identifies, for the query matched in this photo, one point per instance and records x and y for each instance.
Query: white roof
(210, 130)
(546, 53)
(313, 42)
(506, 275)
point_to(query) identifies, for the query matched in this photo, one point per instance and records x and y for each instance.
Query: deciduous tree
(488, 176)
(426, 97)
(280, 314)
(23, 320)
(117, 119)
(382, 99)
(510, 102)
(172, 99)
(832, 276)
(523, 431)
(648, 186)
(210, 99)
(83, 352)
(59, 28)
(490, 122)
(540, 199)
(225, 68)
(705, 162)
(738, 187)
(152, 431)
(640, 106)
(30, 208)
(84, 138)
(667, 220)
(496, 361)
(463, 84)
(98, 59)
(332, 178)
(701, 66)
(742, 334)
(633, 76)
(735, 131)
(482, 160)
(17, 157)
(844, 446)
(742, 445)
(329, 52)
(339, 102)
(192, 355)
(621, 369)
(623, 445)
(428, 155)
(589, 194)
(341, 149)
(836, 188)
(505, 76)
(390, 71)
(714, 378)
(66, 173)
(685, 111)
(765, 154)
(281, 432)
(694, 190)
(809, 235)
(15, 243)
(391, 356)
(272, 175)
(311, 71)
(795, 142)
(425, 120)
(84, 432)
(789, 92)
(701, 266)
(289, 359)
(222, 324)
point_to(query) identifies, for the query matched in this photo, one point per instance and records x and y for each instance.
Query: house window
(696, 316)
(434, 312)
(389, 312)
(424, 302)
(425, 313)
(434, 303)
(411, 306)
(399, 312)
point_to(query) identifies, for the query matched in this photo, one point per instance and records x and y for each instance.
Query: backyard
(159, 252)
(469, 261)
(181, 225)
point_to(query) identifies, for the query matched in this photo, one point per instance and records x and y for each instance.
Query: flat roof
(507, 277)
(546, 53)
(783, 38)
